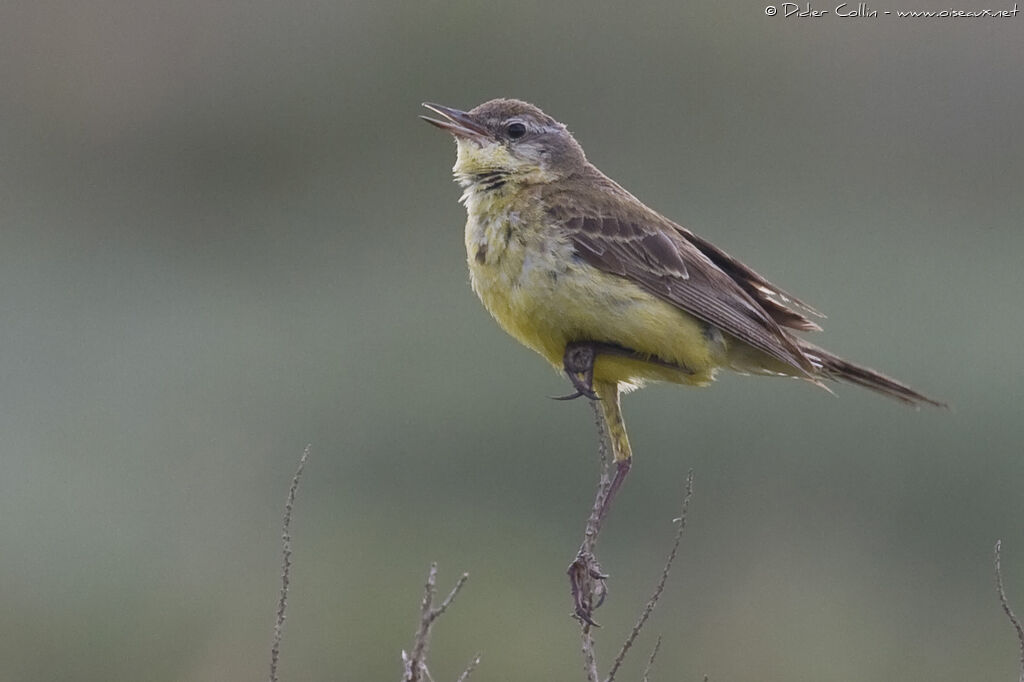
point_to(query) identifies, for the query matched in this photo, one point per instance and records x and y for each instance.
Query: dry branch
(1006, 607)
(650, 659)
(286, 566)
(415, 664)
(588, 580)
(660, 588)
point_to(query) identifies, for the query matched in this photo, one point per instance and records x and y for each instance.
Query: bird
(608, 290)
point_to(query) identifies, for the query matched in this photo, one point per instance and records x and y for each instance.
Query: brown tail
(834, 367)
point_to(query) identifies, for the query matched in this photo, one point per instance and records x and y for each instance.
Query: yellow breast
(544, 296)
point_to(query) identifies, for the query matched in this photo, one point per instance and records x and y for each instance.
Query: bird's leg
(586, 580)
(621, 452)
(578, 363)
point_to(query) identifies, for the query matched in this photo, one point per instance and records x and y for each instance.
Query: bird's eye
(515, 130)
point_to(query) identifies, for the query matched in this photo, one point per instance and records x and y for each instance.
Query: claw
(582, 615)
(578, 394)
(583, 386)
(578, 363)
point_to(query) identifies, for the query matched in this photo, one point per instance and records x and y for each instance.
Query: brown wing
(774, 300)
(707, 283)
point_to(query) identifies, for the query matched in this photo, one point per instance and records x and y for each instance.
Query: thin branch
(660, 588)
(286, 566)
(469, 669)
(415, 665)
(419, 649)
(650, 660)
(593, 528)
(589, 655)
(450, 598)
(587, 581)
(1006, 607)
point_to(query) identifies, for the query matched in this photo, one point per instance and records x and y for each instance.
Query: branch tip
(414, 665)
(469, 669)
(660, 587)
(1005, 603)
(650, 659)
(286, 564)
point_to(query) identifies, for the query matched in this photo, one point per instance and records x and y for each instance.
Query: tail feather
(834, 367)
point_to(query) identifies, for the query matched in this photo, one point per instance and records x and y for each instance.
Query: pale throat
(495, 184)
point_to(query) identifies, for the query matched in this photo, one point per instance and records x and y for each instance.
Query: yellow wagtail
(608, 290)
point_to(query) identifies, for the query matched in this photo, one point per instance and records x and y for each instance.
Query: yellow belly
(545, 297)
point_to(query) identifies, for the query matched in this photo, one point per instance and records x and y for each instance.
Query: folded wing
(690, 273)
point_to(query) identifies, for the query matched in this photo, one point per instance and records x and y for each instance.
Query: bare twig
(589, 655)
(286, 566)
(660, 588)
(415, 664)
(586, 576)
(587, 582)
(650, 660)
(469, 669)
(593, 528)
(1006, 607)
(450, 598)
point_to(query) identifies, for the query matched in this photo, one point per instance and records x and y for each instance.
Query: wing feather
(695, 276)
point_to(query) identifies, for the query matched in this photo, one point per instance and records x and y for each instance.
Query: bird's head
(511, 140)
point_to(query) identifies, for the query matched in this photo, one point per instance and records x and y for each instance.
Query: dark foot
(578, 363)
(587, 584)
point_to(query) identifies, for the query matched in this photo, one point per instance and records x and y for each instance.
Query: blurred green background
(224, 234)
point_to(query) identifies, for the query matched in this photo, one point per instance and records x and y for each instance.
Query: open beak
(458, 123)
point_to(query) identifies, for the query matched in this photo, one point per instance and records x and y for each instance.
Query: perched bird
(605, 288)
